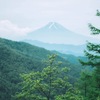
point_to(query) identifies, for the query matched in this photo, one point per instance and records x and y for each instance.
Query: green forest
(28, 72)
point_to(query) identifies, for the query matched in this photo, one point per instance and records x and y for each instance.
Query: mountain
(55, 33)
(77, 50)
(71, 58)
(17, 58)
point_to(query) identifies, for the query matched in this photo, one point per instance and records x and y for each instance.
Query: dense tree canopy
(19, 57)
(92, 82)
(49, 84)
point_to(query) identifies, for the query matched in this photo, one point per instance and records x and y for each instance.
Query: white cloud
(12, 31)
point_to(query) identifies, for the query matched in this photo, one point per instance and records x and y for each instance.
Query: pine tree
(49, 84)
(93, 55)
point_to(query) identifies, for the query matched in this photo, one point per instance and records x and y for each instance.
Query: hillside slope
(19, 57)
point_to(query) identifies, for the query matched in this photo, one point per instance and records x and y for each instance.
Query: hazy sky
(17, 17)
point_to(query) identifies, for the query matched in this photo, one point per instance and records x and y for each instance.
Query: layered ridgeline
(56, 33)
(76, 50)
(20, 57)
(54, 36)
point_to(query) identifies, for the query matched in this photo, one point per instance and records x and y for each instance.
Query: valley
(18, 57)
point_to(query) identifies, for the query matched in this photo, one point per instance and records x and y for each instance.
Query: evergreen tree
(49, 84)
(85, 83)
(93, 55)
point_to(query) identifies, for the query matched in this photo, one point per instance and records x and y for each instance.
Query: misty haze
(49, 50)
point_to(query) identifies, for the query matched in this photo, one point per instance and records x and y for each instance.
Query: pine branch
(90, 63)
(93, 47)
(91, 56)
(94, 30)
(98, 13)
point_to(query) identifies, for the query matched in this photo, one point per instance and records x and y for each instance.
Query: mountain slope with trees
(19, 57)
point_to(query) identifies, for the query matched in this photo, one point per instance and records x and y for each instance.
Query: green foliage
(77, 68)
(85, 83)
(17, 58)
(49, 84)
(98, 13)
(91, 82)
(13, 61)
(71, 94)
(11, 65)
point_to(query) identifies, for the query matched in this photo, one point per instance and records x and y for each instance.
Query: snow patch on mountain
(54, 32)
(52, 24)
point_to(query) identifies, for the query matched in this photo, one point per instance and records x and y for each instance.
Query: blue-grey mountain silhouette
(56, 33)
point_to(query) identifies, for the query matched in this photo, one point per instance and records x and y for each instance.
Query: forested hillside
(49, 50)
(19, 57)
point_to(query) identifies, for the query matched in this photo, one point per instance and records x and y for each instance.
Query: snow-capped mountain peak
(52, 24)
(54, 32)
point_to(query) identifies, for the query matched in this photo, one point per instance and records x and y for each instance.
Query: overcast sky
(17, 17)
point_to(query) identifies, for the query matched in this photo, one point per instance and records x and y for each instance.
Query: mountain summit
(56, 33)
(54, 26)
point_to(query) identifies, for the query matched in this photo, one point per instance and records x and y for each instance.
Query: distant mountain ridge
(77, 50)
(56, 33)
